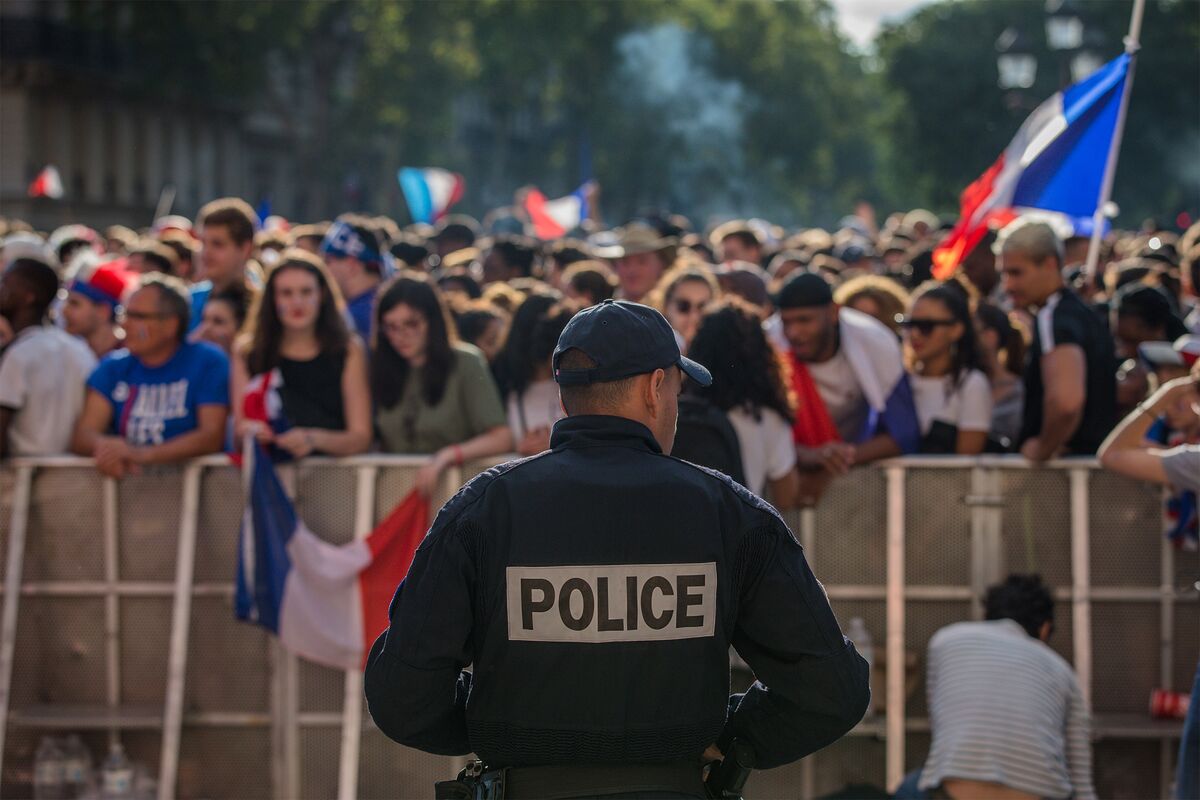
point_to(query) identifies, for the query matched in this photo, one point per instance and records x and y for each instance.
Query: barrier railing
(909, 546)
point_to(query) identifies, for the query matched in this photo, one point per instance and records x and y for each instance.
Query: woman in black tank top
(297, 340)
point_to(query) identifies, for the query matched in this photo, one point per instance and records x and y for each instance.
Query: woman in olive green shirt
(433, 394)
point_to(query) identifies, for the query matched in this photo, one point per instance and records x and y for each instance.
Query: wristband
(458, 455)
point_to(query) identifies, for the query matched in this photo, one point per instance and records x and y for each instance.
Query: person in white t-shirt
(531, 400)
(43, 368)
(750, 384)
(950, 390)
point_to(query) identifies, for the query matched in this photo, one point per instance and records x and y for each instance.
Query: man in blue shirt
(162, 399)
(355, 260)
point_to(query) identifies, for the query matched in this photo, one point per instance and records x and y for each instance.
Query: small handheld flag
(48, 183)
(430, 191)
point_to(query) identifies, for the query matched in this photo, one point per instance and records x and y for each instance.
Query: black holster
(474, 782)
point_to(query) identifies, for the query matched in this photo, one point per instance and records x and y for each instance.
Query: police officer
(596, 589)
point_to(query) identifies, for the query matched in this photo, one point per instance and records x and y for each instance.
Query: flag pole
(1132, 45)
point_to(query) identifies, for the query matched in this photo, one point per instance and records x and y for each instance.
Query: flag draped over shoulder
(430, 191)
(1054, 163)
(325, 602)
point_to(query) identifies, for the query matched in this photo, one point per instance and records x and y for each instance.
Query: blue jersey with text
(154, 404)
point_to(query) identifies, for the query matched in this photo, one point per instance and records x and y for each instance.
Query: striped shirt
(1005, 708)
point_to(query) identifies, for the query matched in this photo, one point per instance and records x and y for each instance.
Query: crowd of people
(831, 348)
(828, 350)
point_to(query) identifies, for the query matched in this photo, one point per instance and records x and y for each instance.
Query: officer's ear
(656, 390)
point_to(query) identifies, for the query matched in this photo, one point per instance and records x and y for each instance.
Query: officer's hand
(711, 753)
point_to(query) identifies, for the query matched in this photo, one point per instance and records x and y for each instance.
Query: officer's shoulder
(474, 490)
(718, 481)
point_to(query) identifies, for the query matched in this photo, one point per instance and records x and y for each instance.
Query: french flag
(1055, 163)
(48, 183)
(325, 602)
(430, 191)
(553, 218)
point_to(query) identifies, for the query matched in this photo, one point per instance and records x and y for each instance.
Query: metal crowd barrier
(118, 622)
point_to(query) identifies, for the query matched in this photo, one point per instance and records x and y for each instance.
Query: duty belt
(564, 782)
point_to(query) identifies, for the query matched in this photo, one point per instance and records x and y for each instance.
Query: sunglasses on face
(687, 306)
(924, 326)
(139, 316)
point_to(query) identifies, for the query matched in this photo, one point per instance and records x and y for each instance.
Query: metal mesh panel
(321, 688)
(922, 620)
(1187, 644)
(319, 749)
(1125, 523)
(59, 656)
(937, 526)
(225, 763)
(7, 487)
(1037, 523)
(220, 647)
(393, 485)
(1187, 571)
(851, 530)
(65, 535)
(387, 770)
(145, 634)
(1063, 639)
(219, 521)
(1126, 770)
(1125, 656)
(855, 760)
(148, 522)
(326, 500)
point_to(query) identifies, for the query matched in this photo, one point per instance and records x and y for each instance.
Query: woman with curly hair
(875, 296)
(750, 384)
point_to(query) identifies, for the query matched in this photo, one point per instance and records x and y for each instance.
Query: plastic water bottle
(77, 766)
(49, 770)
(116, 777)
(857, 632)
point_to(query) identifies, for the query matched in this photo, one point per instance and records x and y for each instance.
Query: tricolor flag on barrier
(325, 602)
(1055, 163)
(430, 191)
(553, 218)
(48, 183)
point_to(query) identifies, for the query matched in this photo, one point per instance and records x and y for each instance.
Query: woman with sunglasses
(682, 295)
(951, 392)
(433, 394)
(297, 340)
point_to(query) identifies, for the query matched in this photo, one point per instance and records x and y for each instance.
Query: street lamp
(1016, 62)
(1064, 25)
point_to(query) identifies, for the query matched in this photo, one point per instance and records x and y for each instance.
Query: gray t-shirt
(1182, 465)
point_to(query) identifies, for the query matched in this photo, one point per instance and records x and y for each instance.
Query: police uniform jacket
(595, 589)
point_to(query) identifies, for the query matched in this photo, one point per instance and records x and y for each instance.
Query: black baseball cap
(624, 339)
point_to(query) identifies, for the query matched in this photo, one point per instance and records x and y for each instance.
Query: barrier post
(1081, 601)
(13, 571)
(895, 626)
(352, 703)
(185, 561)
(112, 605)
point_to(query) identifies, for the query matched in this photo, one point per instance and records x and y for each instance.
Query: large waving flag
(326, 602)
(1055, 163)
(553, 218)
(430, 191)
(48, 183)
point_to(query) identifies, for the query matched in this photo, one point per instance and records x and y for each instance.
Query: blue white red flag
(1055, 163)
(325, 602)
(553, 218)
(430, 191)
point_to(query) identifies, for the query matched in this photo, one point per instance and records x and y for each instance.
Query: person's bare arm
(1126, 452)
(489, 443)
(92, 424)
(208, 437)
(1064, 374)
(876, 448)
(970, 443)
(785, 491)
